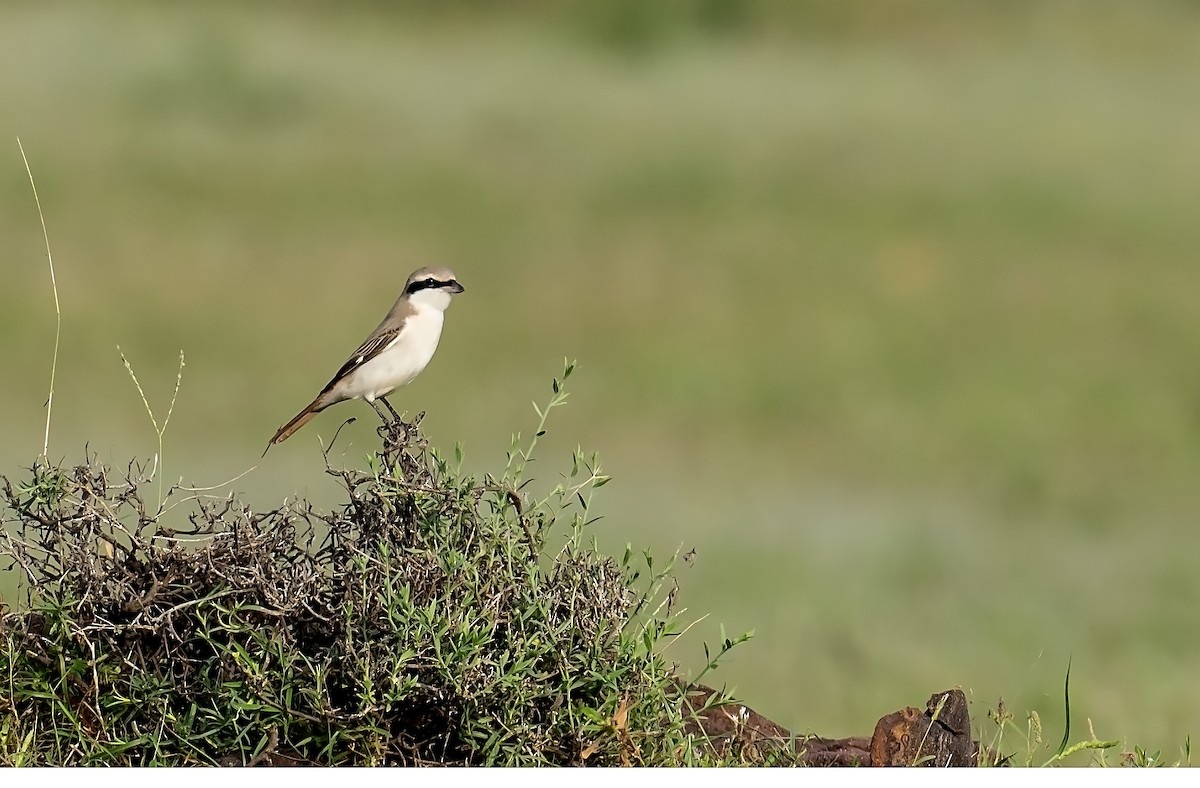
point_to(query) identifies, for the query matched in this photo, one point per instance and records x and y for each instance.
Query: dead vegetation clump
(431, 618)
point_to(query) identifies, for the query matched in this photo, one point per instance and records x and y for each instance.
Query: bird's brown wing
(372, 347)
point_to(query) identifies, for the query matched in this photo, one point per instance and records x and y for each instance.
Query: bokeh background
(888, 310)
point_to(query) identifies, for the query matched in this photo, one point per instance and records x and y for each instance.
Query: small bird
(395, 352)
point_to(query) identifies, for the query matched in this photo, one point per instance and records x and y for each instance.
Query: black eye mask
(424, 284)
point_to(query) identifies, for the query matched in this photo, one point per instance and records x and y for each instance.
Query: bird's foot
(404, 447)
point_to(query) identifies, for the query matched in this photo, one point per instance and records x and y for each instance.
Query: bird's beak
(455, 287)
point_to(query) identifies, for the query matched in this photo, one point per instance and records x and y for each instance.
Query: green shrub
(431, 618)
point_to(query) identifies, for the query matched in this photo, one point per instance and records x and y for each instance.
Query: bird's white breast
(400, 361)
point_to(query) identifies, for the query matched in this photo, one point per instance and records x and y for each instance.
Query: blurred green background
(888, 310)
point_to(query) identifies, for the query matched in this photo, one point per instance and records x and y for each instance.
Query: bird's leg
(389, 407)
(382, 416)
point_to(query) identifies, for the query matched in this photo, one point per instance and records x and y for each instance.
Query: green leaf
(1062, 746)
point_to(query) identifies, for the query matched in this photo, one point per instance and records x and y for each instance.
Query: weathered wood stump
(938, 736)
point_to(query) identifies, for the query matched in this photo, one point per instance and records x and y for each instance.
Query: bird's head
(432, 286)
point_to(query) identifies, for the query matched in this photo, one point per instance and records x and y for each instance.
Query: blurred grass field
(890, 315)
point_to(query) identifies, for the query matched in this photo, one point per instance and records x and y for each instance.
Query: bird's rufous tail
(296, 423)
